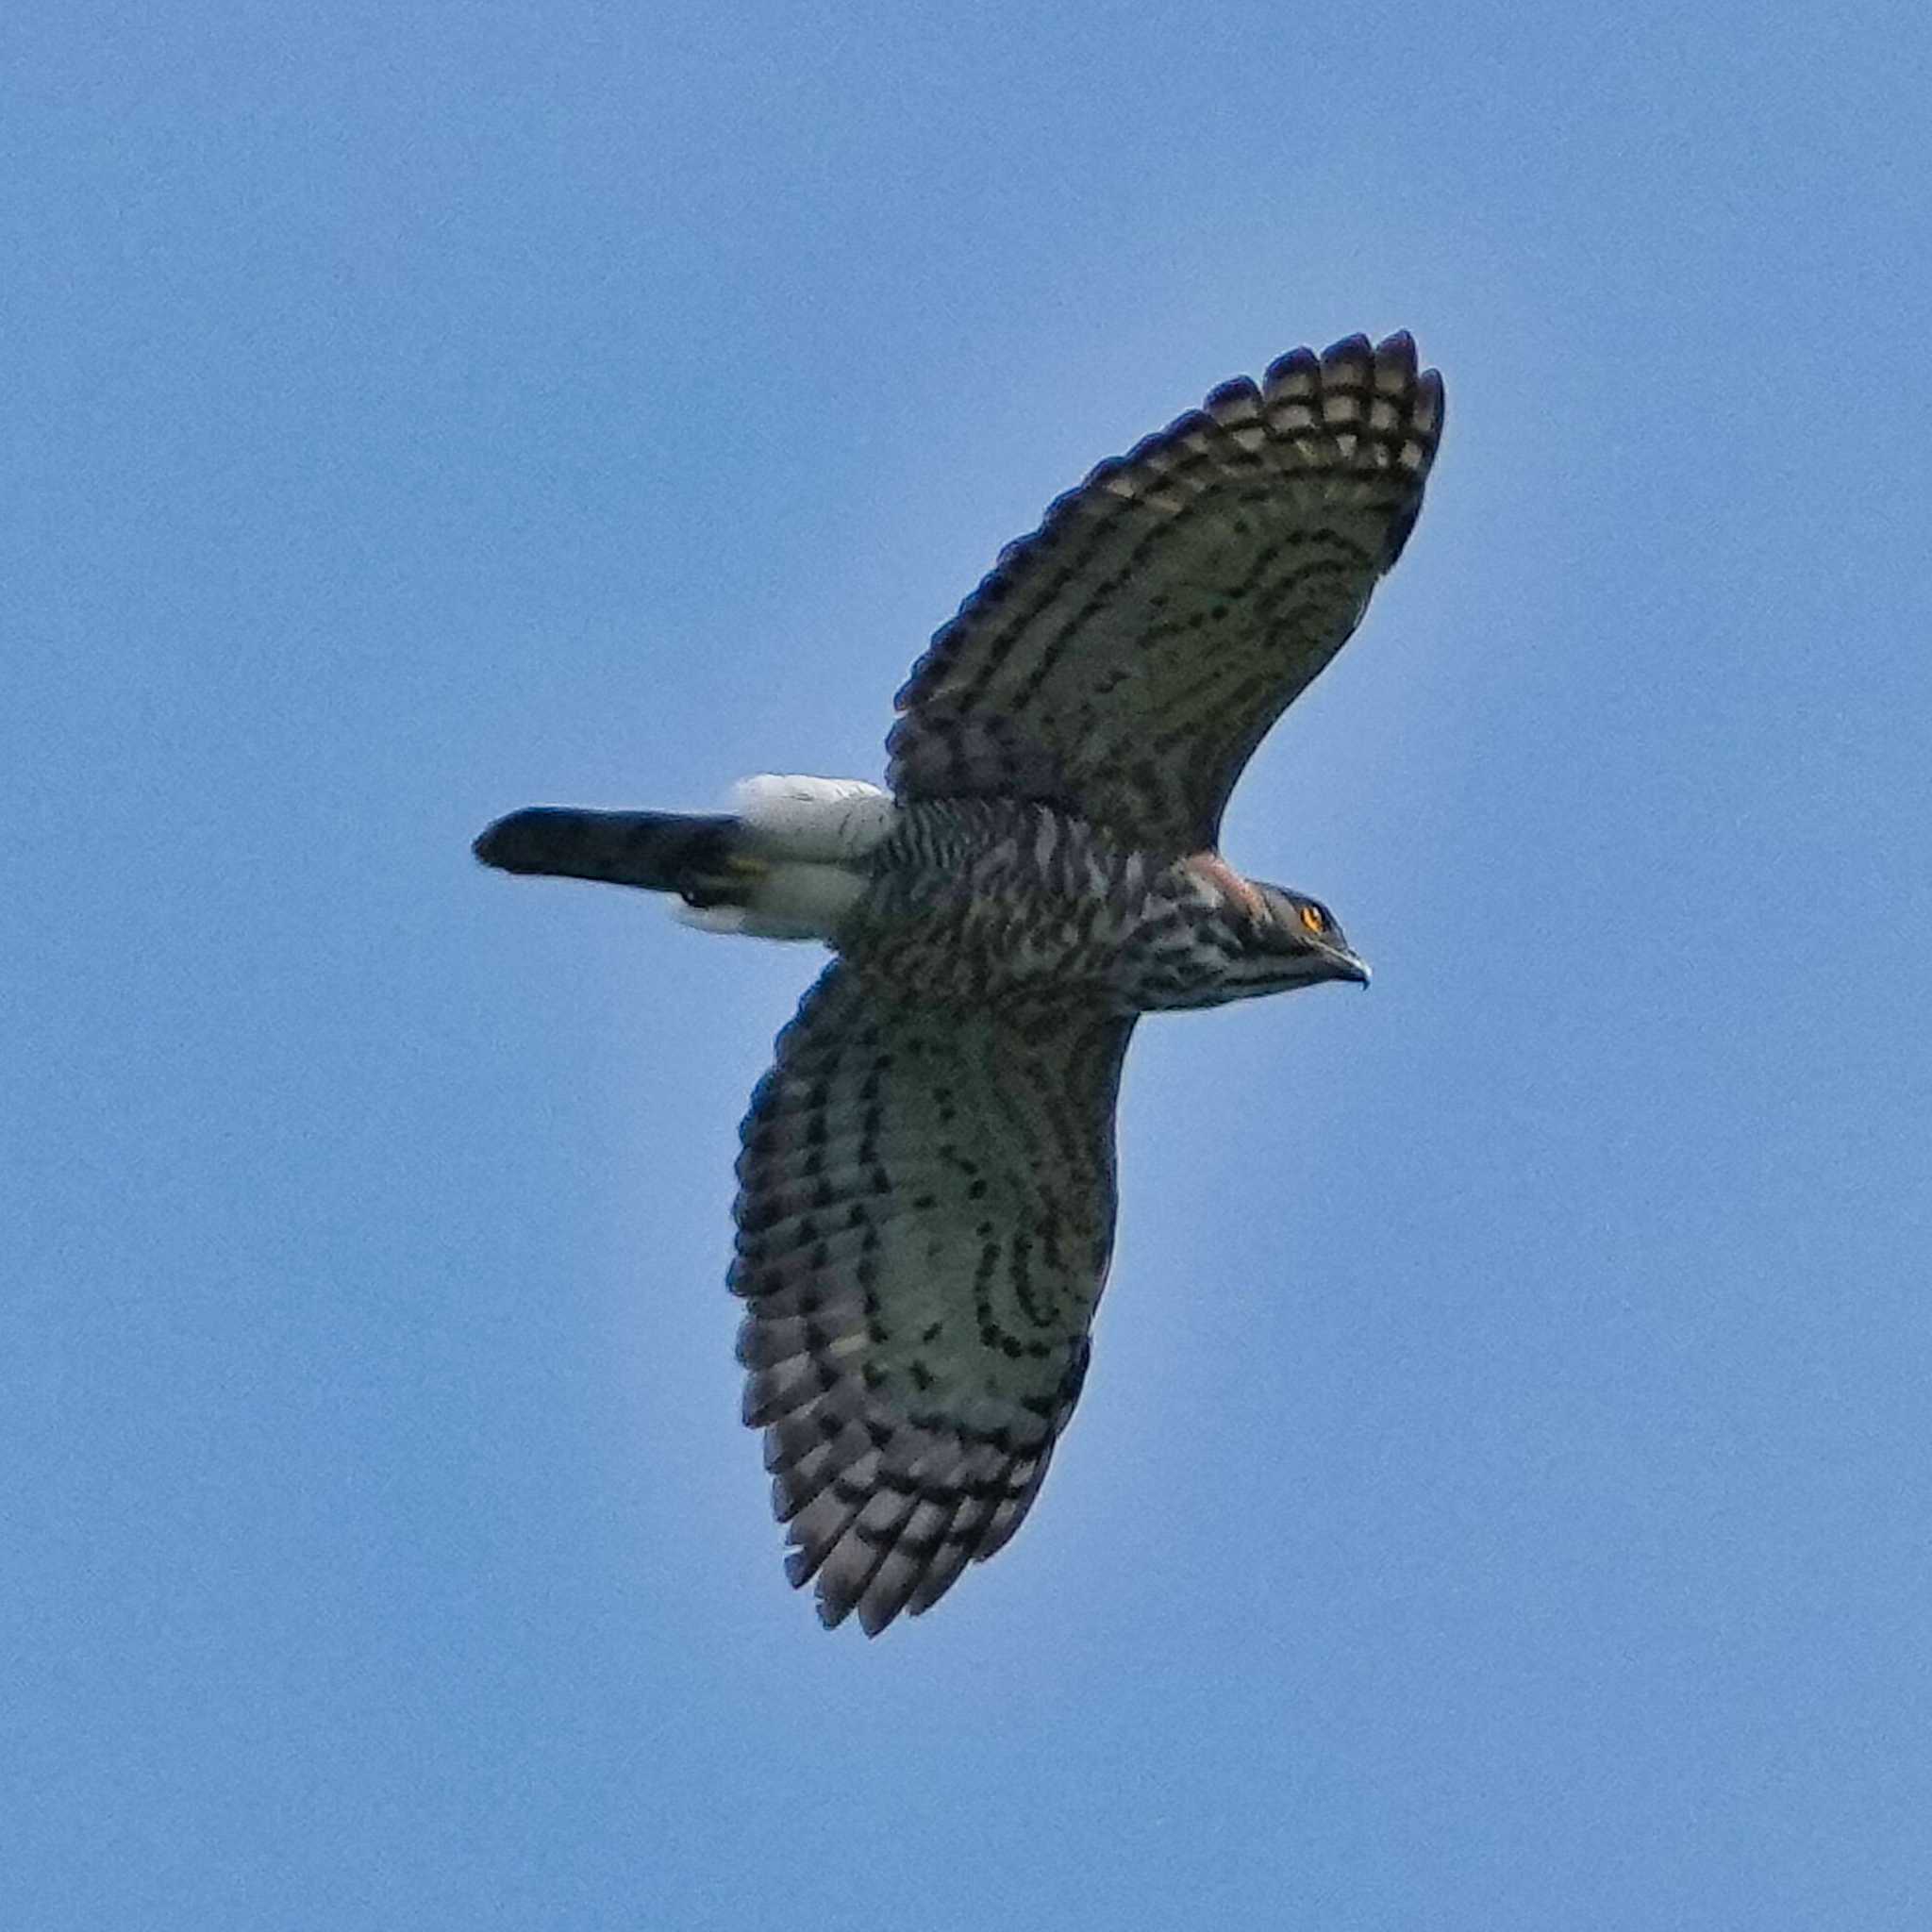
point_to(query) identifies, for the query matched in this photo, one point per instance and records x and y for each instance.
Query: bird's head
(1294, 941)
(1268, 939)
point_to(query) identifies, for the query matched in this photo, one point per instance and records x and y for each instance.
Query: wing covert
(1125, 660)
(925, 1214)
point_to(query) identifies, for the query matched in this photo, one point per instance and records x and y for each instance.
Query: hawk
(925, 1203)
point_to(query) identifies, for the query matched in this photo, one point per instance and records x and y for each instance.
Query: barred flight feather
(1125, 660)
(919, 1290)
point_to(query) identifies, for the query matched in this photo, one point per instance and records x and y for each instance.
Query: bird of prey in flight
(925, 1203)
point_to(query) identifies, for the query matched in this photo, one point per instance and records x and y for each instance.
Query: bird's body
(978, 899)
(927, 1196)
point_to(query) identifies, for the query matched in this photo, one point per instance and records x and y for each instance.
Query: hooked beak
(1348, 967)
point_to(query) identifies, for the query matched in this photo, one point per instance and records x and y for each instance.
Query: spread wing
(1125, 660)
(925, 1213)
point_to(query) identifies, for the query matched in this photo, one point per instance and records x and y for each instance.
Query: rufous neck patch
(1216, 870)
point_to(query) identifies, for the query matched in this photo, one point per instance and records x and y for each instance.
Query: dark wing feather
(925, 1213)
(1125, 660)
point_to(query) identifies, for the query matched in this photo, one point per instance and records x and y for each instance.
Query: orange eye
(1314, 918)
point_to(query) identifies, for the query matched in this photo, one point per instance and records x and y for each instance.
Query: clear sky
(1502, 1498)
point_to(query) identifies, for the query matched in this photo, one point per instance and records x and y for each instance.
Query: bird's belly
(959, 948)
(974, 901)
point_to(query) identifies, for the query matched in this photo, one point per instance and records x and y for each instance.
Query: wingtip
(1395, 361)
(832, 1609)
(1429, 400)
(1349, 349)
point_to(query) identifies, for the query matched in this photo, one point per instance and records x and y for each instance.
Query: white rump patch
(794, 899)
(823, 819)
(809, 837)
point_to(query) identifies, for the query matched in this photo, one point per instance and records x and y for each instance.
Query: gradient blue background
(1502, 1498)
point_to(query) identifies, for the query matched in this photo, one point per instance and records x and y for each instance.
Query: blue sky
(1502, 1498)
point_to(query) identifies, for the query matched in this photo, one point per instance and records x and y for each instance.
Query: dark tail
(661, 851)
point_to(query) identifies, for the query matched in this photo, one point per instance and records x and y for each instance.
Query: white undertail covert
(804, 842)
